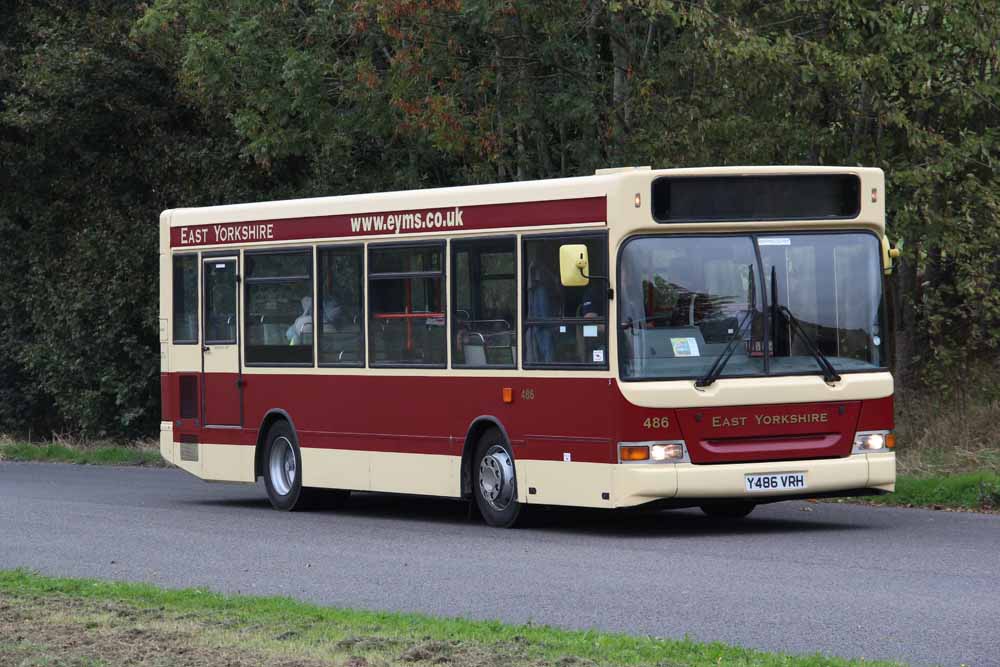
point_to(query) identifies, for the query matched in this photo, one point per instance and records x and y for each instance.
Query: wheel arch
(273, 415)
(479, 425)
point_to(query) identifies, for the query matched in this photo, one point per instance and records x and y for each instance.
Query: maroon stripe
(582, 417)
(481, 217)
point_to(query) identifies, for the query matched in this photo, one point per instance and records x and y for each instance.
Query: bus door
(222, 382)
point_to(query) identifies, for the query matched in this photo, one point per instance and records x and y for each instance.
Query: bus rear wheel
(731, 510)
(283, 474)
(495, 481)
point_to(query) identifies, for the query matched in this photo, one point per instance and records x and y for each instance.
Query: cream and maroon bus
(711, 338)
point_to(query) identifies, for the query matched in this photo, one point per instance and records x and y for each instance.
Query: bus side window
(185, 299)
(484, 303)
(406, 324)
(279, 307)
(564, 327)
(340, 328)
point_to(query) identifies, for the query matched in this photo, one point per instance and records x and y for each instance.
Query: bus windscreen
(732, 198)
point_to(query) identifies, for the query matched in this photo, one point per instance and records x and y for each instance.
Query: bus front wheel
(495, 481)
(731, 510)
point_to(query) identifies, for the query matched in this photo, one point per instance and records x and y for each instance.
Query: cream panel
(521, 471)
(226, 463)
(882, 471)
(167, 441)
(579, 484)
(567, 483)
(166, 280)
(727, 480)
(624, 218)
(193, 467)
(422, 474)
(542, 190)
(757, 391)
(422, 372)
(336, 468)
(185, 358)
(641, 483)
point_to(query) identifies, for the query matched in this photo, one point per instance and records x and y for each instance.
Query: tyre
(731, 510)
(494, 481)
(283, 474)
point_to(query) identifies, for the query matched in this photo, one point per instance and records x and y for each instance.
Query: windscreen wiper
(720, 363)
(829, 373)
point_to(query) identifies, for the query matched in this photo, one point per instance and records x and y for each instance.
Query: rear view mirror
(574, 265)
(889, 253)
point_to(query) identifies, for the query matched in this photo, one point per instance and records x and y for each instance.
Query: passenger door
(222, 385)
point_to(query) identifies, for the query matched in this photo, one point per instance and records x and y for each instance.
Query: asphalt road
(912, 585)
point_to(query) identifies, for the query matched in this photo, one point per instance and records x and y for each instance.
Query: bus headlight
(873, 441)
(659, 451)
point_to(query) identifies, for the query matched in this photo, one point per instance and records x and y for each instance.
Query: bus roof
(601, 184)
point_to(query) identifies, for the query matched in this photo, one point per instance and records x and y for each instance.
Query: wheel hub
(283, 465)
(496, 478)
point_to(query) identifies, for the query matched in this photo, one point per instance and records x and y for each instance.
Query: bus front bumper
(684, 484)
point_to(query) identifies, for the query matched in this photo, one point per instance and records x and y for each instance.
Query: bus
(711, 337)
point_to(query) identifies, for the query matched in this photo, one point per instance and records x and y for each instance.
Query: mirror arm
(607, 279)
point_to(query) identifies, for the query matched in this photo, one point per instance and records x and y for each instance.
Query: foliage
(94, 144)
(112, 111)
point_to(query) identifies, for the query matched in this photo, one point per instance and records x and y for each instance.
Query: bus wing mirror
(574, 265)
(889, 253)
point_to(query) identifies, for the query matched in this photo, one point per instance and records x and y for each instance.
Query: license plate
(778, 481)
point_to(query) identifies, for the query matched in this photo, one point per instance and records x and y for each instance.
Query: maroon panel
(222, 398)
(431, 415)
(381, 442)
(458, 218)
(769, 432)
(188, 392)
(596, 450)
(166, 397)
(428, 415)
(637, 424)
(877, 415)
(585, 417)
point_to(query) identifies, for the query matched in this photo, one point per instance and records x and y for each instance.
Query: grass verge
(977, 491)
(45, 620)
(55, 452)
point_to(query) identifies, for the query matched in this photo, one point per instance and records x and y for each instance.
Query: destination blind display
(743, 198)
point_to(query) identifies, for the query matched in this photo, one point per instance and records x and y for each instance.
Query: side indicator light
(890, 441)
(635, 453)
(508, 395)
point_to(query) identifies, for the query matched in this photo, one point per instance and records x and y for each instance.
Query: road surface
(911, 585)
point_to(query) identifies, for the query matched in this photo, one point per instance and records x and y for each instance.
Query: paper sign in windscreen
(685, 347)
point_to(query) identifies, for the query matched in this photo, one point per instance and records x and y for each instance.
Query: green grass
(970, 491)
(101, 455)
(215, 627)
